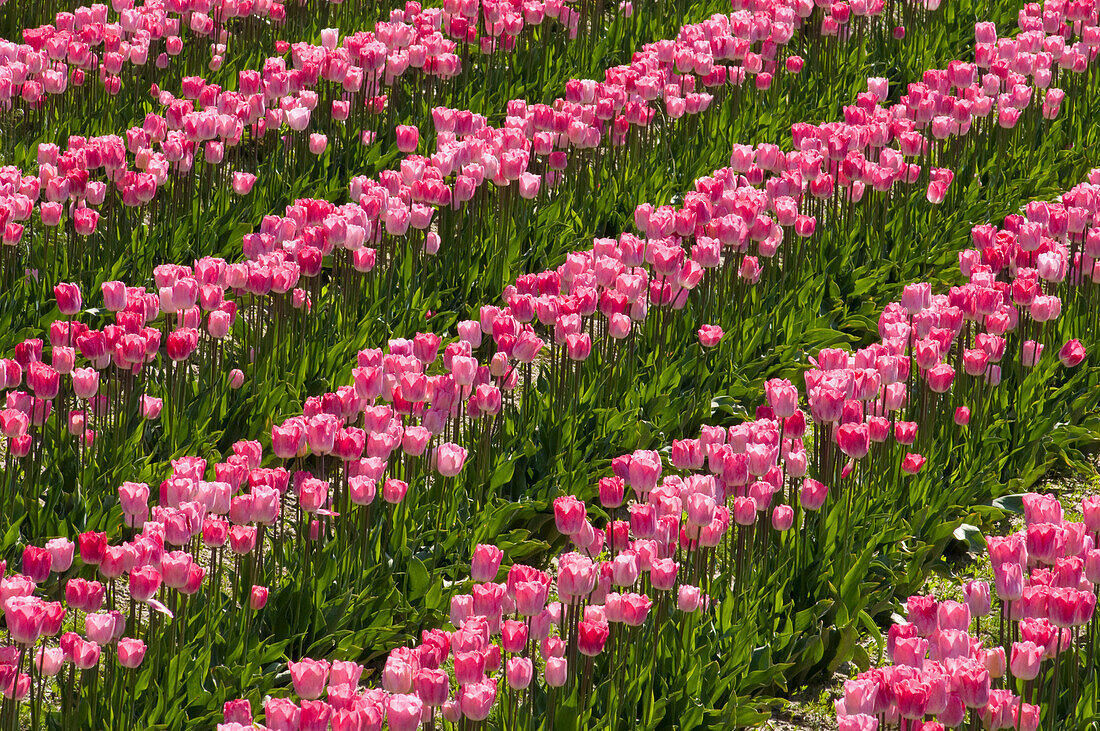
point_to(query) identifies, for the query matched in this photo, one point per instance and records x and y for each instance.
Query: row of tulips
(356, 85)
(1031, 667)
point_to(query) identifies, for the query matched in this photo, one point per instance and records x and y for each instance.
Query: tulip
(813, 494)
(854, 440)
(449, 459)
(151, 407)
(520, 671)
(49, 660)
(611, 491)
(486, 562)
(85, 654)
(977, 597)
(36, 563)
(144, 583)
(1072, 353)
(257, 598)
(309, 677)
(911, 464)
(393, 491)
(131, 652)
(1026, 660)
(570, 515)
(404, 712)
(475, 700)
(92, 547)
(25, 616)
(68, 297)
(710, 335)
(99, 627)
(556, 672)
(408, 137)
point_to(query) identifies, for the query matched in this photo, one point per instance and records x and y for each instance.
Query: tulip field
(547, 365)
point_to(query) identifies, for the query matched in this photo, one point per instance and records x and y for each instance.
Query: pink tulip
(309, 677)
(449, 459)
(85, 221)
(408, 137)
(783, 517)
(243, 182)
(25, 616)
(556, 672)
(710, 335)
(475, 700)
(520, 671)
(317, 143)
(486, 562)
(404, 712)
(61, 552)
(151, 407)
(85, 654)
(99, 627)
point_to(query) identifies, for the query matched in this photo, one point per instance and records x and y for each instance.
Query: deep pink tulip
(36, 563)
(408, 137)
(92, 547)
(68, 297)
(144, 583)
(611, 491)
(570, 515)
(469, 667)
(1072, 353)
(257, 598)
(85, 221)
(911, 464)
(854, 440)
(591, 637)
